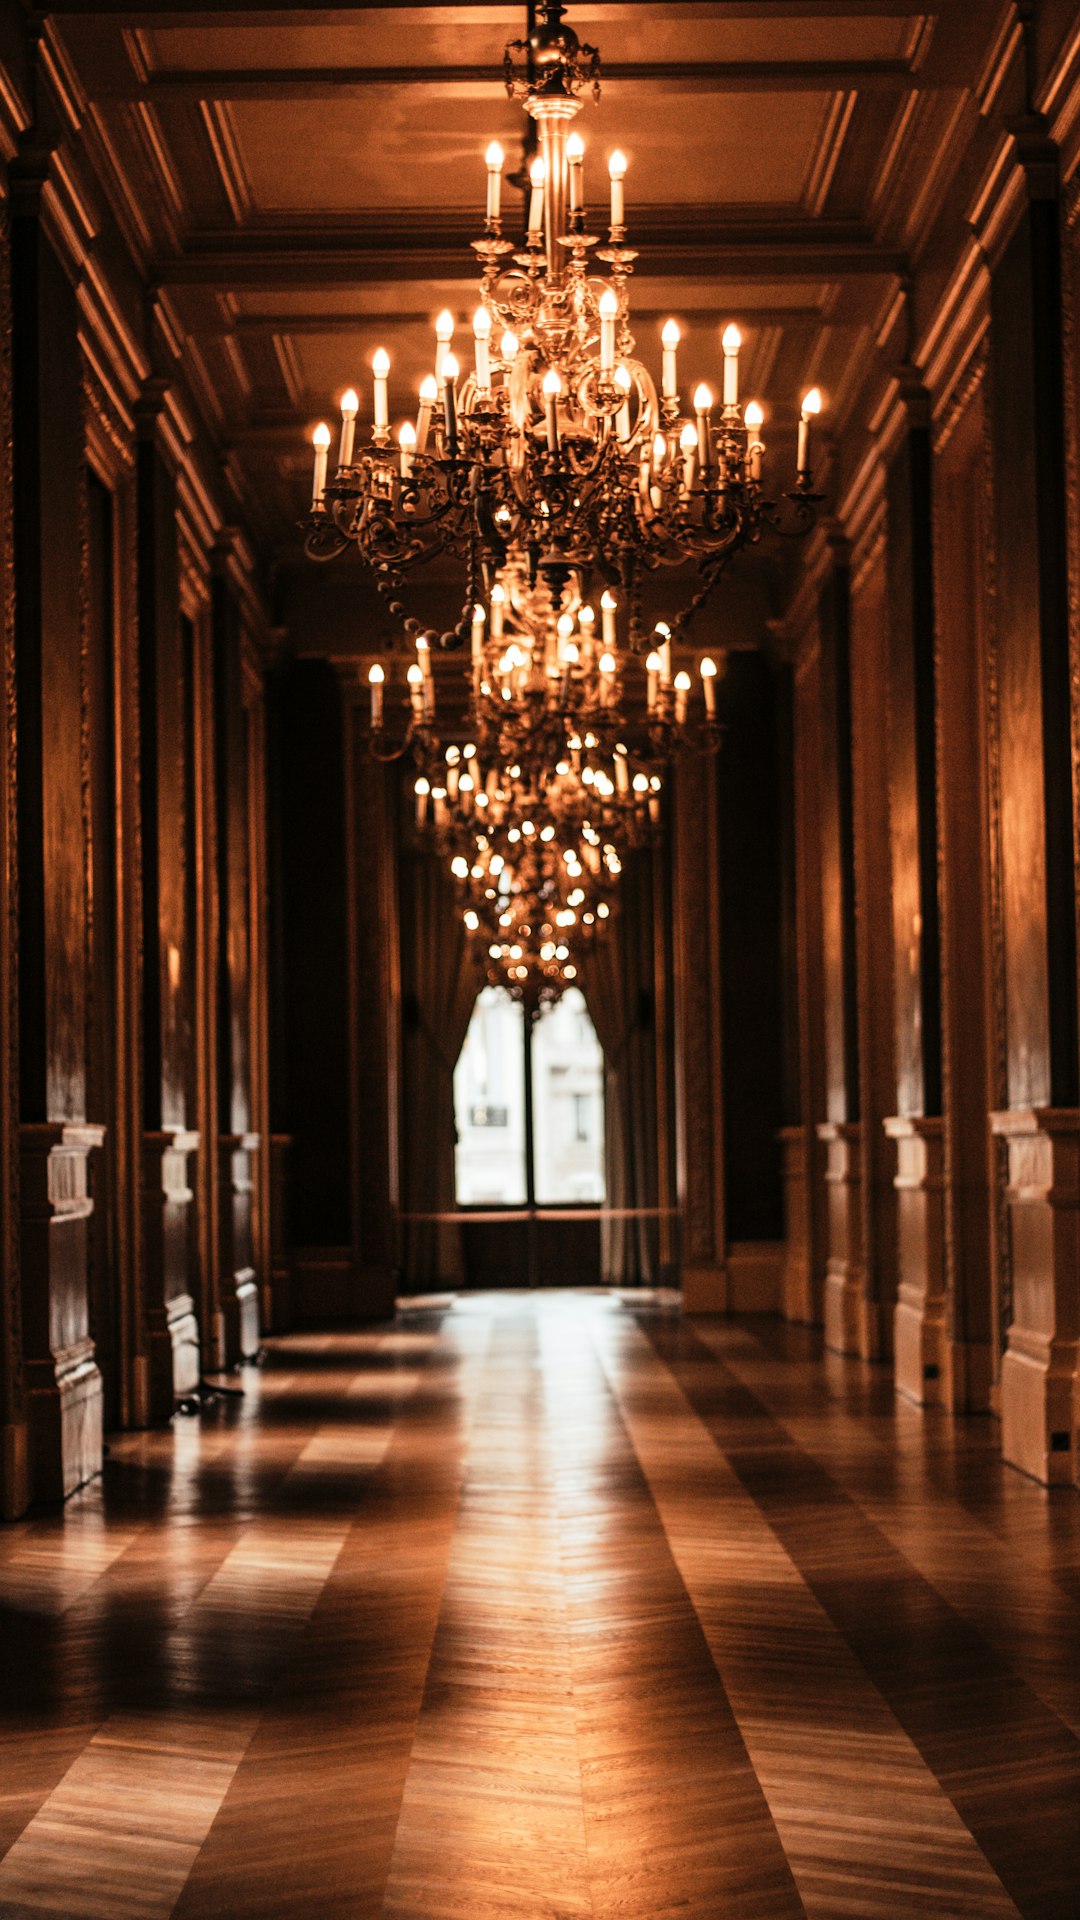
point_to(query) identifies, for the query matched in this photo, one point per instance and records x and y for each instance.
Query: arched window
(507, 1156)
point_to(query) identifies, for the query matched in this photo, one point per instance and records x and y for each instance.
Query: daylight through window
(500, 1160)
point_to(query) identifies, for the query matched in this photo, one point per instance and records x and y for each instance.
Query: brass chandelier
(553, 454)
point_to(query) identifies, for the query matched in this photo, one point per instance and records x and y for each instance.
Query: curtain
(617, 982)
(440, 981)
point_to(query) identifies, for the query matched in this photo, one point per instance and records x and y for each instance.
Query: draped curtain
(440, 982)
(618, 984)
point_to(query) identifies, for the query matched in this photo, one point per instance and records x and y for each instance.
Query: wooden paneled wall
(937, 718)
(135, 1181)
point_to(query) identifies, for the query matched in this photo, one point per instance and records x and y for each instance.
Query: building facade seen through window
(500, 1161)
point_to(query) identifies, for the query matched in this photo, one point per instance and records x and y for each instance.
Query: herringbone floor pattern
(546, 1605)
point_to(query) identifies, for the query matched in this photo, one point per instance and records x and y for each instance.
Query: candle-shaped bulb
(450, 370)
(753, 417)
(669, 340)
(617, 174)
(320, 440)
(653, 663)
(659, 449)
(575, 154)
(707, 671)
(537, 178)
(732, 341)
(552, 387)
(609, 313)
(429, 389)
(494, 158)
(444, 333)
(682, 683)
(688, 447)
(811, 406)
(350, 407)
(703, 400)
(482, 342)
(607, 663)
(376, 676)
(380, 367)
(508, 346)
(407, 443)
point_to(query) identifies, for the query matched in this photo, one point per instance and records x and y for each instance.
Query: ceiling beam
(197, 13)
(345, 83)
(671, 243)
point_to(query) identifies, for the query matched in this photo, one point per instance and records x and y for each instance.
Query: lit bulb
(508, 345)
(607, 663)
(688, 438)
(350, 406)
(754, 417)
(608, 601)
(551, 384)
(670, 335)
(609, 304)
(376, 676)
(422, 788)
(450, 370)
(586, 616)
(565, 625)
(702, 398)
(415, 675)
(622, 379)
(707, 669)
(380, 364)
(732, 339)
(444, 325)
(652, 664)
(537, 173)
(321, 436)
(616, 165)
(495, 157)
(472, 920)
(575, 149)
(406, 436)
(659, 449)
(811, 402)
(481, 325)
(682, 683)
(429, 390)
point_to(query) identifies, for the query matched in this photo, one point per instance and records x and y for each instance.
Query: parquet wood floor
(546, 1605)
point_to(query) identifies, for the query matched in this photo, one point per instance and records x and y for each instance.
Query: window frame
(530, 1205)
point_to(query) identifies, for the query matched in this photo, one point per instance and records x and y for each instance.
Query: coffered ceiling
(301, 186)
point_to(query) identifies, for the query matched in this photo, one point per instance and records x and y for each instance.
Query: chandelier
(535, 851)
(544, 684)
(553, 453)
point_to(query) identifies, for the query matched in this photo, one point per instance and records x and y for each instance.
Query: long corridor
(546, 1604)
